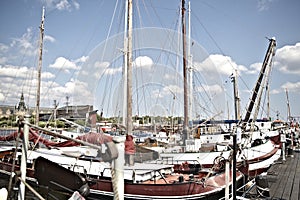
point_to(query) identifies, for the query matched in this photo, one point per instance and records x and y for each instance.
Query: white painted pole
(283, 151)
(21, 194)
(118, 180)
(227, 175)
(283, 140)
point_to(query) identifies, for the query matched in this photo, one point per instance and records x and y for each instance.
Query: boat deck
(284, 178)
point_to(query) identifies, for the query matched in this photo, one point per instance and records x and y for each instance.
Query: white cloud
(47, 75)
(82, 59)
(214, 89)
(254, 68)
(3, 60)
(62, 4)
(288, 59)
(264, 4)
(26, 44)
(15, 72)
(49, 38)
(219, 64)
(101, 65)
(143, 61)
(294, 87)
(103, 68)
(64, 64)
(1, 97)
(3, 48)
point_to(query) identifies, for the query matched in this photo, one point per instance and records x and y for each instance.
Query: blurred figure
(129, 150)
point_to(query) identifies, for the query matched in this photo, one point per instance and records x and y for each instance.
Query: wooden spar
(190, 65)
(52, 133)
(185, 84)
(129, 69)
(236, 96)
(124, 113)
(39, 69)
(21, 194)
(289, 118)
(269, 54)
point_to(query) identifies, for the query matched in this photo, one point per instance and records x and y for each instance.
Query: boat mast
(39, 69)
(270, 53)
(288, 106)
(125, 66)
(236, 96)
(185, 84)
(190, 66)
(129, 69)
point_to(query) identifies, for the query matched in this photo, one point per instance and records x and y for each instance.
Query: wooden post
(21, 194)
(227, 175)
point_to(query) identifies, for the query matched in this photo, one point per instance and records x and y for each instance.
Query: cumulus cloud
(254, 68)
(64, 64)
(82, 59)
(101, 65)
(3, 48)
(293, 87)
(288, 59)
(103, 68)
(1, 97)
(264, 4)
(49, 38)
(14, 71)
(214, 89)
(68, 5)
(143, 61)
(220, 64)
(26, 44)
(22, 72)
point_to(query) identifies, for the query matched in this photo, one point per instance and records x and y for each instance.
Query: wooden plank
(276, 187)
(295, 189)
(290, 178)
(284, 179)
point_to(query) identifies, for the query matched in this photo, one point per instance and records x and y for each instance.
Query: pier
(284, 178)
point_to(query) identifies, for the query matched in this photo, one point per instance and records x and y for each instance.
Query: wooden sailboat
(141, 181)
(256, 151)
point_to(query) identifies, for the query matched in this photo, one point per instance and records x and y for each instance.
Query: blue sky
(232, 33)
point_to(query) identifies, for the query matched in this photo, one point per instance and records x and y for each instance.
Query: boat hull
(212, 188)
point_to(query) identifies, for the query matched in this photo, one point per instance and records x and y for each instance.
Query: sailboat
(141, 181)
(257, 149)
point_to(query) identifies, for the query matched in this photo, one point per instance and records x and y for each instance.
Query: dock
(284, 178)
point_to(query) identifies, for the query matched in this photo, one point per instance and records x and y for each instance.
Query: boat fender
(262, 186)
(3, 194)
(84, 190)
(191, 177)
(180, 179)
(109, 152)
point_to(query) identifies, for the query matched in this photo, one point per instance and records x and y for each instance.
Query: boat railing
(75, 168)
(170, 160)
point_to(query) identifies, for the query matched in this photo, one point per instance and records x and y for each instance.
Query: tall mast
(129, 69)
(39, 69)
(185, 84)
(124, 116)
(288, 106)
(190, 65)
(236, 96)
(268, 103)
(270, 53)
